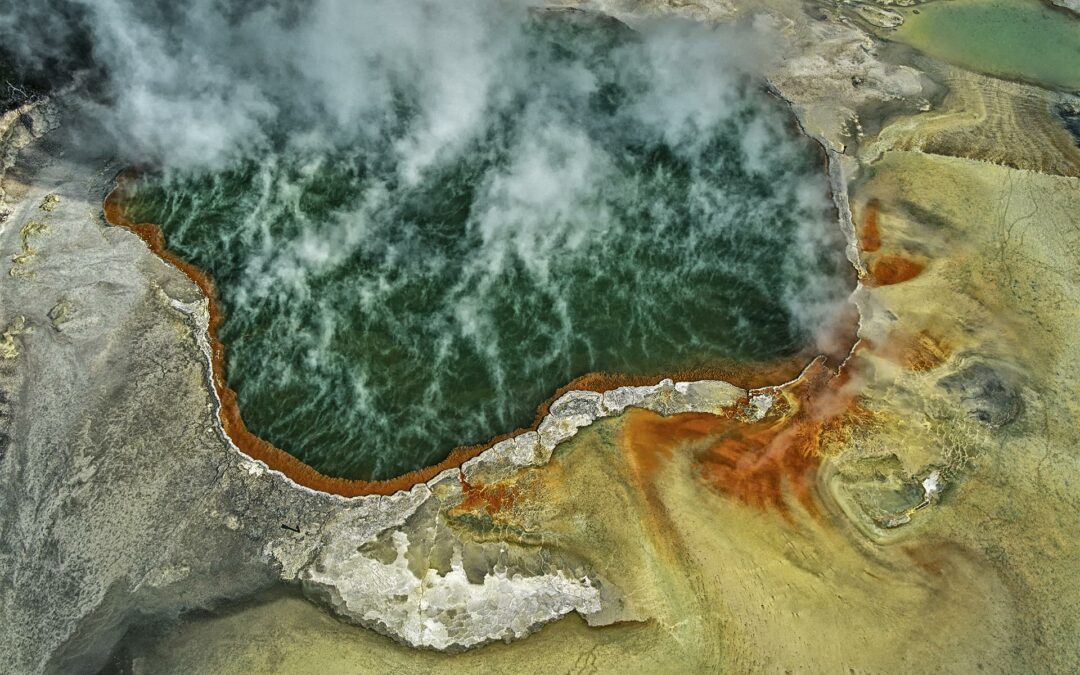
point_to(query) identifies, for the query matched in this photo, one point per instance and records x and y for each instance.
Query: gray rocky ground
(119, 496)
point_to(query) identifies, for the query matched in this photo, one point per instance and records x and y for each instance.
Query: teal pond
(1015, 39)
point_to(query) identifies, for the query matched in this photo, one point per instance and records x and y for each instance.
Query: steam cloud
(199, 83)
(203, 84)
(412, 87)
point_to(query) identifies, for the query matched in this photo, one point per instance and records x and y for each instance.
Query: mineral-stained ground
(914, 509)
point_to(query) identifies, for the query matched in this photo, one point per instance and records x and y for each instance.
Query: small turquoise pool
(1015, 39)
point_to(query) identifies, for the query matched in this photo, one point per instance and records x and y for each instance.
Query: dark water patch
(1070, 118)
(986, 394)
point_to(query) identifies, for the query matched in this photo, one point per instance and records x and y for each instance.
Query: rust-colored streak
(491, 498)
(755, 462)
(919, 352)
(651, 438)
(894, 269)
(742, 375)
(869, 234)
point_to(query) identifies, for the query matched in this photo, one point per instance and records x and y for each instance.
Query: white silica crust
(448, 611)
(441, 610)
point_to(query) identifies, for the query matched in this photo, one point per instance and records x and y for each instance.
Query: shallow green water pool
(1019, 39)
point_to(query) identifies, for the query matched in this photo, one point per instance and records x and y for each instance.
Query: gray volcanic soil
(116, 482)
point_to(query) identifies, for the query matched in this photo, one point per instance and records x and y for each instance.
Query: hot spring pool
(621, 202)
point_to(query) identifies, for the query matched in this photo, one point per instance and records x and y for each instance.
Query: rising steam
(612, 189)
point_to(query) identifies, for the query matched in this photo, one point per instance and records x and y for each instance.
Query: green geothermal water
(605, 212)
(1020, 39)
